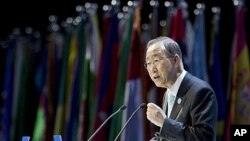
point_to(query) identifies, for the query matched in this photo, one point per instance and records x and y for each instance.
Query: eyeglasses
(155, 62)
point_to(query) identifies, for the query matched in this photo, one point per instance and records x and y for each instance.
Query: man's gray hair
(170, 45)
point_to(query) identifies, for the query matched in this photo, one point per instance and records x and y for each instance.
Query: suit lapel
(181, 96)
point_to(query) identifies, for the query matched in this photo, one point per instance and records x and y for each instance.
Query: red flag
(108, 78)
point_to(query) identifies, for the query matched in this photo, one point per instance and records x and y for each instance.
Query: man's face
(160, 67)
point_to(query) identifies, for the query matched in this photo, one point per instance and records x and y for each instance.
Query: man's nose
(154, 69)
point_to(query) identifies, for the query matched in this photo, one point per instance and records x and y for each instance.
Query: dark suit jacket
(194, 114)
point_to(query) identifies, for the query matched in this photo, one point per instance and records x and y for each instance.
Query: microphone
(119, 110)
(140, 107)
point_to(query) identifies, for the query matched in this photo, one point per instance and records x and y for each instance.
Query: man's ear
(176, 61)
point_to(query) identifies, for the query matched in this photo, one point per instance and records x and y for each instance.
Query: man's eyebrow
(154, 56)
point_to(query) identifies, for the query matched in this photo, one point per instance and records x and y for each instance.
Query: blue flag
(216, 80)
(8, 91)
(198, 63)
(133, 91)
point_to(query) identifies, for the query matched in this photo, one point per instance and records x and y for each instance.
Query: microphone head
(142, 105)
(123, 107)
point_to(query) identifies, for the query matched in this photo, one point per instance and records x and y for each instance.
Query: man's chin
(158, 84)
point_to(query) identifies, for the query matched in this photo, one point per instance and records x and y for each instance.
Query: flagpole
(155, 5)
(80, 9)
(116, 6)
(53, 27)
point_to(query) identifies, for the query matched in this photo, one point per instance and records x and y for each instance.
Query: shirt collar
(175, 87)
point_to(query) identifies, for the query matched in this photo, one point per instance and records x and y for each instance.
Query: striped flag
(133, 88)
(60, 105)
(71, 95)
(27, 101)
(108, 78)
(240, 77)
(93, 51)
(39, 132)
(82, 126)
(123, 64)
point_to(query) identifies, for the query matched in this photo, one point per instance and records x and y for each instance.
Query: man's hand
(155, 114)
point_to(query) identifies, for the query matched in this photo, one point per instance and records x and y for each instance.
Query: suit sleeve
(203, 112)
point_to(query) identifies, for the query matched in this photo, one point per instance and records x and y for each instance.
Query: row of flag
(69, 83)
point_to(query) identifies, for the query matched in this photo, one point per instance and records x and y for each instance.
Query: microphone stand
(140, 107)
(119, 110)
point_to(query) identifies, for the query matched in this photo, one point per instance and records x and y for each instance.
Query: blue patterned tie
(170, 103)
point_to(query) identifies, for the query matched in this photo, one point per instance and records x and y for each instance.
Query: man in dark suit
(189, 109)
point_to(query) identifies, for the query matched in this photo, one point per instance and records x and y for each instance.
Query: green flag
(122, 75)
